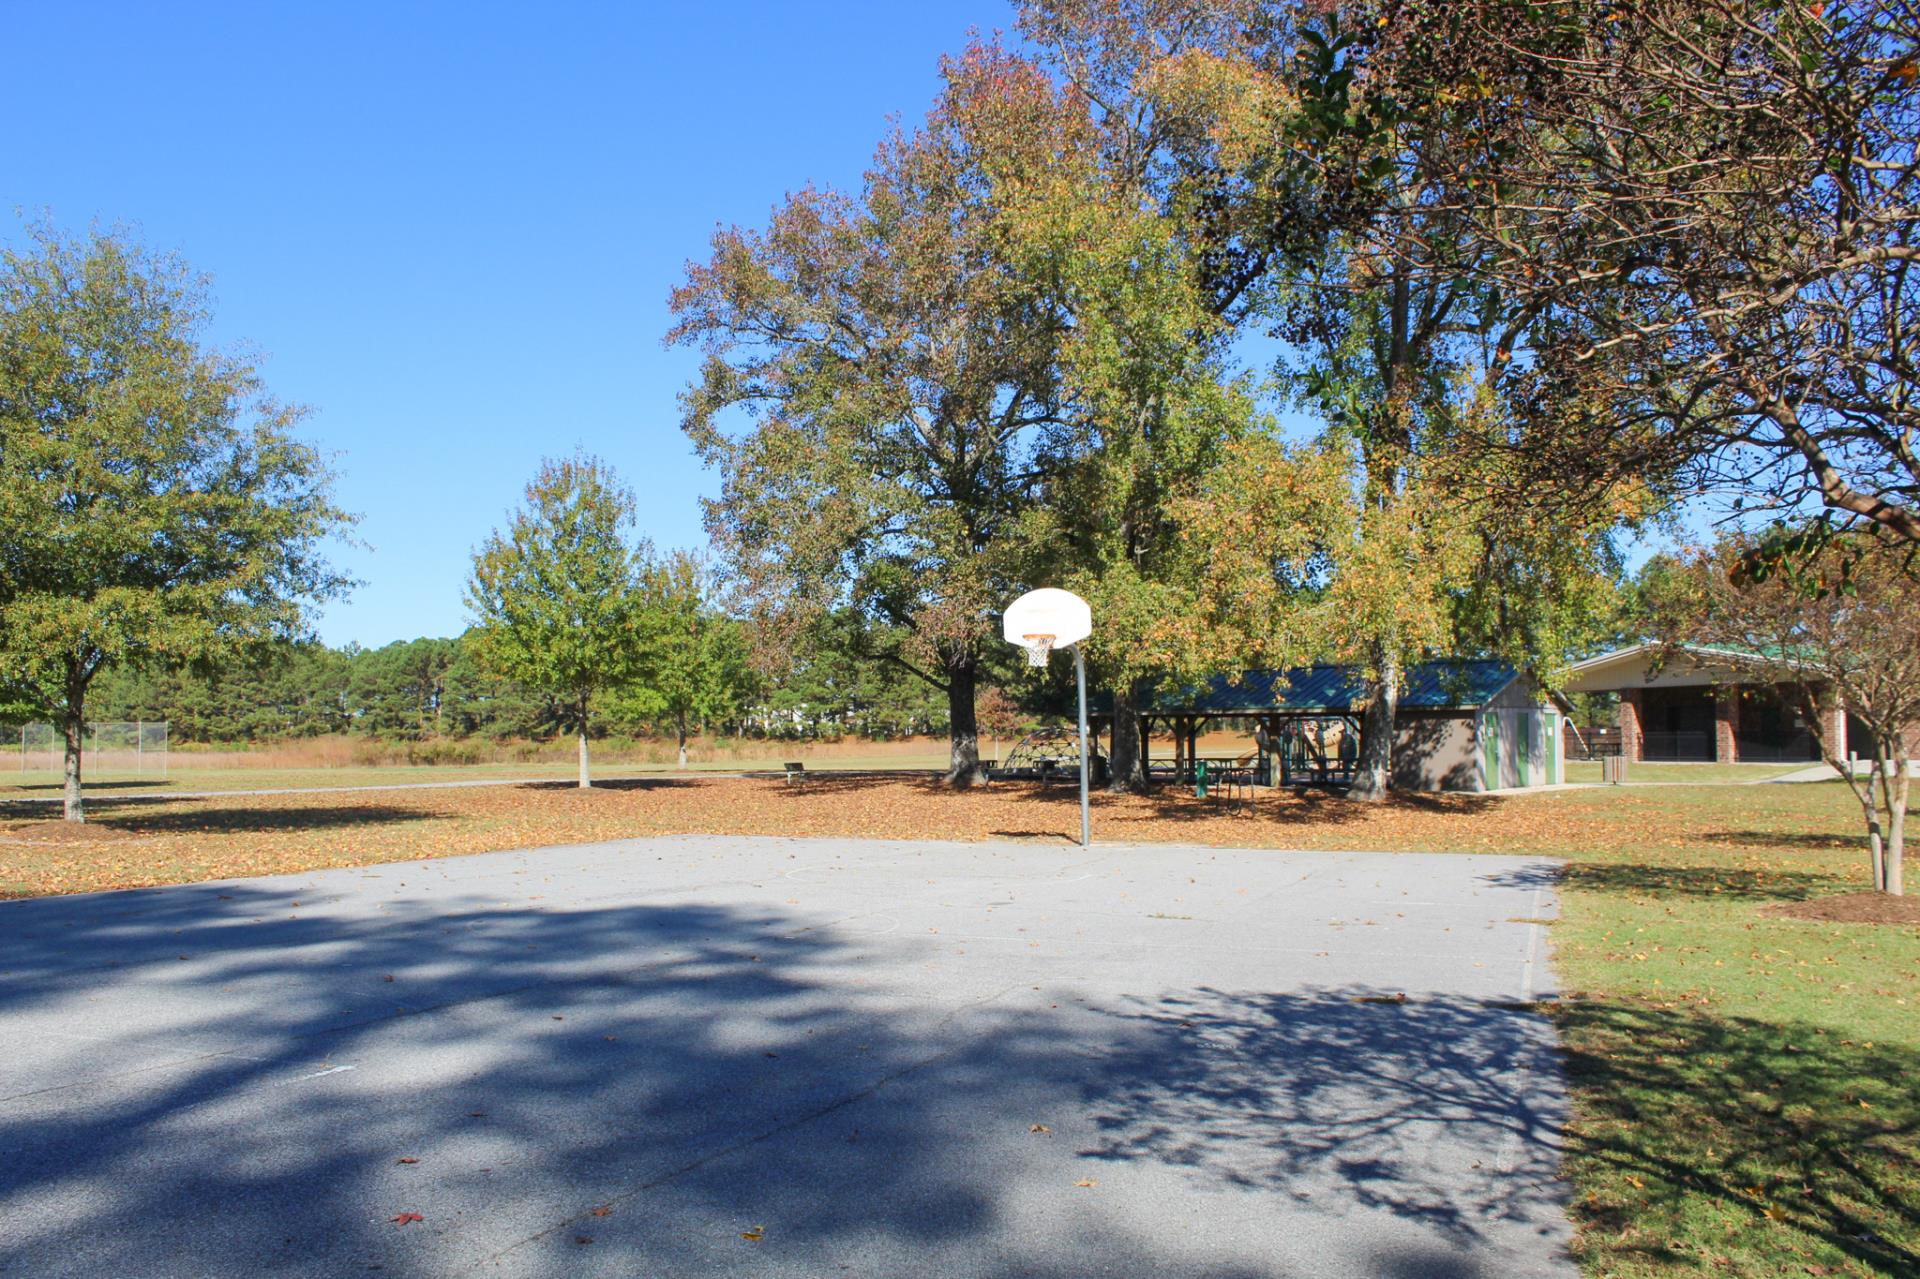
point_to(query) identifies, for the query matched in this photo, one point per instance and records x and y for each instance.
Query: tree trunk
(73, 723)
(1373, 769)
(1127, 763)
(963, 724)
(1870, 810)
(1895, 786)
(680, 722)
(586, 779)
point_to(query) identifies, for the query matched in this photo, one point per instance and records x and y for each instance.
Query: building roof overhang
(1642, 666)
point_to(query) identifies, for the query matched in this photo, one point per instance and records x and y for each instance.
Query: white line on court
(318, 1074)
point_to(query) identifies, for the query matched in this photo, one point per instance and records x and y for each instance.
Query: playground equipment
(1315, 750)
(1048, 754)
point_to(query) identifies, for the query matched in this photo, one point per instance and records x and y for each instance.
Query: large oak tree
(1709, 208)
(880, 387)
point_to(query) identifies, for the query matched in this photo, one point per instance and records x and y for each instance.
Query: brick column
(1726, 725)
(1631, 701)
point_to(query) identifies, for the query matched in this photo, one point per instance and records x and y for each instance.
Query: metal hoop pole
(1086, 817)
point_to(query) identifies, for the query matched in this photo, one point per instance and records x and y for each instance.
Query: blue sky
(451, 229)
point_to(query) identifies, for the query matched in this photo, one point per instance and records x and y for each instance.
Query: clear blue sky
(450, 229)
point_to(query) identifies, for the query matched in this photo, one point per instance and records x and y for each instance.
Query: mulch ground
(1851, 908)
(138, 843)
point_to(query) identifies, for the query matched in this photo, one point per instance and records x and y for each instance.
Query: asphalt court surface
(731, 1056)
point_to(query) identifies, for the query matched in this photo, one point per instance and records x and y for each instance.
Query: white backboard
(1047, 611)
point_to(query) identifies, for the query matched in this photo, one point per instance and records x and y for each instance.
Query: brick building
(1706, 705)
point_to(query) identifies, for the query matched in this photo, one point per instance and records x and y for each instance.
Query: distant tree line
(415, 690)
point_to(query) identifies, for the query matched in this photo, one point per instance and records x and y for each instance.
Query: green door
(1528, 724)
(1490, 750)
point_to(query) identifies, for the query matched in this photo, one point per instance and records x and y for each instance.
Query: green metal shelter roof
(1334, 690)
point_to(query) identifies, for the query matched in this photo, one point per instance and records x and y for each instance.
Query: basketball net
(1039, 648)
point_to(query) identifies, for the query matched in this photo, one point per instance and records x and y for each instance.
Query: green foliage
(293, 690)
(695, 669)
(408, 690)
(559, 598)
(898, 372)
(836, 686)
(154, 502)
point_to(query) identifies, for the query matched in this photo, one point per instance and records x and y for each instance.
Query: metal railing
(1677, 746)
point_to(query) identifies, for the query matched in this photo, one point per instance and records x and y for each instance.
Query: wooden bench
(796, 771)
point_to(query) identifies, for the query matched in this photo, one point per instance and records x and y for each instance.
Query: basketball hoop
(1060, 618)
(1039, 620)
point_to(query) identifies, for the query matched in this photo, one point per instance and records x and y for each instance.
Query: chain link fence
(118, 747)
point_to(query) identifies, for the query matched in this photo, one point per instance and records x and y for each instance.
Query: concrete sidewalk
(1828, 773)
(723, 1056)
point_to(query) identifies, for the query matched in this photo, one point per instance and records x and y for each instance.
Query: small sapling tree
(696, 667)
(559, 598)
(1842, 632)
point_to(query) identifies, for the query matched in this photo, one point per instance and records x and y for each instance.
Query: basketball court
(725, 1056)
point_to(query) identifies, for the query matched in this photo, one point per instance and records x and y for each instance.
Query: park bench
(796, 771)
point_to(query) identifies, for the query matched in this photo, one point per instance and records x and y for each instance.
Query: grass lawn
(1744, 1084)
(1638, 771)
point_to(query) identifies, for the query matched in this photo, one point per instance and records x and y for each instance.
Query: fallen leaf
(755, 1235)
(602, 1211)
(1039, 1128)
(407, 1218)
(406, 1159)
(1086, 1183)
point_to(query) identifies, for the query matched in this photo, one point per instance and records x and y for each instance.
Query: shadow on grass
(90, 787)
(619, 784)
(210, 818)
(1165, 804)
(1638, 879)
(1809, 842)
(1709, 1137)
(1289, 807)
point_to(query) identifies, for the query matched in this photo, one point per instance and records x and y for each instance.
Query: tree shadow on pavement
(235, 1079)
(1346, 1094)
